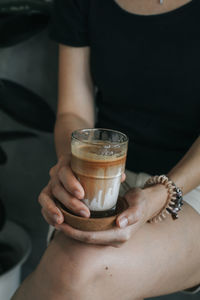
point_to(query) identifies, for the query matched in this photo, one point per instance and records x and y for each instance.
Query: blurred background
(31, 62)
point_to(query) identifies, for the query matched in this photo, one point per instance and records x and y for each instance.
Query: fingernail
(56, 218)
(123, 222)
(77, 194)
(83, 213)
(58, 211)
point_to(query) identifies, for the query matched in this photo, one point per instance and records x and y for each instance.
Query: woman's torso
(146, 69)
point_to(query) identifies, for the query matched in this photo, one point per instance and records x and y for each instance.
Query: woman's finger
(108, 237)
(49, 206)
(70, 183)
(53, 171)
(48, 218)
(129, 217)
(123, 177)
(68, 200)
(136, 210)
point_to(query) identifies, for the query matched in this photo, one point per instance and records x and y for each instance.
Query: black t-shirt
(146, 70)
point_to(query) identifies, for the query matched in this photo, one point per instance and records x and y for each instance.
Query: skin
(158, 259)
(114, 264)
(150, 7)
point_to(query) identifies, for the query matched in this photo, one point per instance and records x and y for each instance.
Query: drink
(98, 165)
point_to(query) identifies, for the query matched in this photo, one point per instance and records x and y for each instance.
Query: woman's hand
(64, 187)
(143, 204)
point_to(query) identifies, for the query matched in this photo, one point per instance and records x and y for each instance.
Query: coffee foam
(98, 152)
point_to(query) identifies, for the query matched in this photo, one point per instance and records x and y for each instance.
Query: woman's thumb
(131, 215)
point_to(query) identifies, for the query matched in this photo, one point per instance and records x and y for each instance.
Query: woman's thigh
(159, 259)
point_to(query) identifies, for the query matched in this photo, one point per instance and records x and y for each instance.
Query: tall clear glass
(98, 161)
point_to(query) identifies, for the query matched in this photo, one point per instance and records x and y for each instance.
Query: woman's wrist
(156, 196)
(174, 200)
(64, 159)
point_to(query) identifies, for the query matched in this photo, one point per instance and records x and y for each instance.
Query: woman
(140, 60)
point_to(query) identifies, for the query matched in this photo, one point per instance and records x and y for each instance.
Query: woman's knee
(69, 266)
(82, 270)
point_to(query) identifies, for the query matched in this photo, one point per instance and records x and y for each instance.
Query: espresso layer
(83, 166)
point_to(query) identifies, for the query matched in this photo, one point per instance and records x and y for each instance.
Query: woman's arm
(75, 98)
(75, 110)
(186, 174)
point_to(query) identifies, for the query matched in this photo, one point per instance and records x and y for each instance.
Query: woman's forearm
(186, 174)
(75, 97)
(65, 125)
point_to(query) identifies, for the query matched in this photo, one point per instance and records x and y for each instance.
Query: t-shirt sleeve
(69, 22)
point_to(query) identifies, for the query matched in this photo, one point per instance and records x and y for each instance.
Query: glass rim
(98, 129)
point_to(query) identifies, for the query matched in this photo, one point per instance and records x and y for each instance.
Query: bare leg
(160, 259)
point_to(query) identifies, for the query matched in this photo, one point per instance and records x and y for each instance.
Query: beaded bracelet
(174, 200)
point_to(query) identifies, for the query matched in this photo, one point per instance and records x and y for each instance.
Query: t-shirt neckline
(170, 13)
